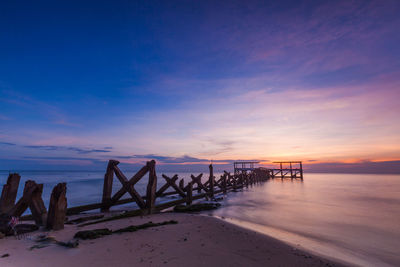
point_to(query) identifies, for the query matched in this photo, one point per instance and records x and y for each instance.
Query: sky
(192, 82)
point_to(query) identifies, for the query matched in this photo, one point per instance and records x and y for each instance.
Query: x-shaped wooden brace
(197, 180)
(128, 186)
(170, 183)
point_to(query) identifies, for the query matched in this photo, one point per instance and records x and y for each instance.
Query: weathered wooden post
(189, 194)
(151, 187)
(224, 183)
(211, 179)
(9, 192)
(301, 170)
(182, 185)
(107, 186)
(36, 205)
(57, 207)
(291, 171)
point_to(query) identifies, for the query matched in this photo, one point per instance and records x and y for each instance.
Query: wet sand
(196, 240)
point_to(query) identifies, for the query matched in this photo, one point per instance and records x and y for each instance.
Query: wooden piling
(9, 192)
(211, 179)
(36, 205)
(189, 194)
(301, 170)
(57, 207)
(224, 183)
(151, 187)
(107, 186)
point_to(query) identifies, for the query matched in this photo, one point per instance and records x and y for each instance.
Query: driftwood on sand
(96, 233)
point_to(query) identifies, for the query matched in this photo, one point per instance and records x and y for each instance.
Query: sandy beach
(197, 240)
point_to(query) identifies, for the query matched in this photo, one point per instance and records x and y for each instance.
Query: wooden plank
(107, 185)
(182, 185)
(9, 192)
(173, 185)
(151, 187)
(132, 182)
(166, 186)
(189, 197)
(57, 207)
(211, 180)
(128, 187)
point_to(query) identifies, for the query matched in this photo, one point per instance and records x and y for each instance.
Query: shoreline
(197, 240)
(299, 242)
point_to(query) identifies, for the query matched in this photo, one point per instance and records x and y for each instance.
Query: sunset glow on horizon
(190, 83)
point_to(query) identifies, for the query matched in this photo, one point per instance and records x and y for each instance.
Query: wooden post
(211, 179)
(291, 171)
(107, 186)
(189, 195)
(151, 187)
(182, 185)
(224, 183)
(9, 192)
(301, 171)
(36, 205)
(57, 207)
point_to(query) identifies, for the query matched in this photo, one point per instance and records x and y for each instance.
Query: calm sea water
(351, 217)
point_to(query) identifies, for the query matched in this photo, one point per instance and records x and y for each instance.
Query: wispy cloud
(7, 144)
(185, 159)
(69, 148)
(63, 158)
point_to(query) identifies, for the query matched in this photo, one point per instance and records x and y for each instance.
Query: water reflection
(353, 217)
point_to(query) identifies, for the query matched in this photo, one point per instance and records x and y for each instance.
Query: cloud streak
(68, 148)
(7, 144)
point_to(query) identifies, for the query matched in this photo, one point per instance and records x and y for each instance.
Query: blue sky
(85, 81)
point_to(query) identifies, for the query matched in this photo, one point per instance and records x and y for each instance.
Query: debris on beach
(9, 226)
(93, 234)
(124, 215)
(197, 207)
(134, 228)
(45, 241)
(96, 233)
(84, 219)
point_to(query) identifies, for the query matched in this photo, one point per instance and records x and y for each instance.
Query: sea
(353, 218)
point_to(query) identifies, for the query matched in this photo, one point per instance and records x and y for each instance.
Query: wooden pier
(286, 170)
(244, 166)
(154, 200)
